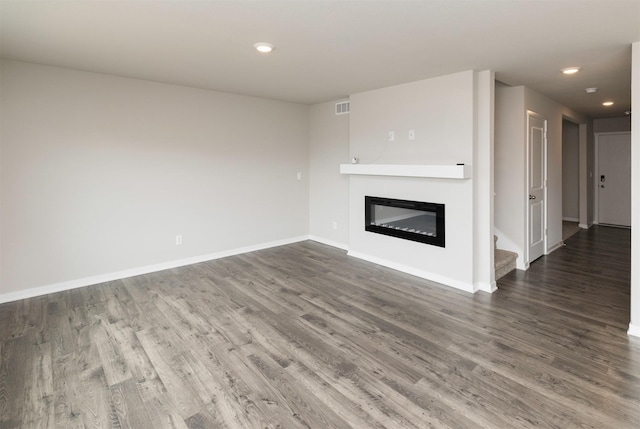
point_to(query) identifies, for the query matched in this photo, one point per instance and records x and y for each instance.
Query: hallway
(589, 277)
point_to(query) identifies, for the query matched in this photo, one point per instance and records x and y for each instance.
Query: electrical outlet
(412, 134)
(178, 240)
(299, 175)
(392, 136)
(334, 225)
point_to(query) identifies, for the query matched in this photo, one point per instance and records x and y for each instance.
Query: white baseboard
(521, 265)
(634, 330)
(486, 287)
(571, 219)
(467, 287)
(102, 278)
(329, 242)
(584, 226)
(555, 247)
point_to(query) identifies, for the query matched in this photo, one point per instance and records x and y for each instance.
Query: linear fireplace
(410, 220)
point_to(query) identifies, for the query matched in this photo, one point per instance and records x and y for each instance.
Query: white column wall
(509, 170)
(483, 254)
(634, 325)
(442, 112)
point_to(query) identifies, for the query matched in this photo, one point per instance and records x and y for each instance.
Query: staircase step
(505, 262)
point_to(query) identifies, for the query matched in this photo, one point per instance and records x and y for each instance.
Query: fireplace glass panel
(411, 220)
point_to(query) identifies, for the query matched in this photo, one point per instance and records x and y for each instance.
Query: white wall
(509, 170)
(634, 325)
(100, 173)
(570, 171)
(1, 182)
(483, 181)
(328, 189)
(586, 143)
(441, 111)
(590, 171)
(612, 125)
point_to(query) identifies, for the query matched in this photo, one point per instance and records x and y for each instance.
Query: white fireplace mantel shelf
(401, 170)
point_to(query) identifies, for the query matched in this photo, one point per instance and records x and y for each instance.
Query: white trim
(329, 242)
(107, 277)
(467, 287)
(634, 324)
(634, 330)
(611, 225)
(486, 287)
(401, 170)
(555, 247)
(584, 226)
(522, 266)
(571, 219)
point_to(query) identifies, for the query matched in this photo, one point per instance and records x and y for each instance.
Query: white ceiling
(326, 50)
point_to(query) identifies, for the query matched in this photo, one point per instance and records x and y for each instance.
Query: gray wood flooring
(302, 336)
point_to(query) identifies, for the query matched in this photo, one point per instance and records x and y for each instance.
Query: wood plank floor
(302, 336)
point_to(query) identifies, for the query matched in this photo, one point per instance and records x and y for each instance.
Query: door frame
(531, 113)
(596, 168)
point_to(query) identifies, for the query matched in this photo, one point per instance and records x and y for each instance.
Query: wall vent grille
(342, 108)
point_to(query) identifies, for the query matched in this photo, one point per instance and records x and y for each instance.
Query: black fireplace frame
(437, 208)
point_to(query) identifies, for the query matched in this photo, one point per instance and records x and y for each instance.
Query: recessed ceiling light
(591, 90)
(570, 70)
(607, 103)
(263, 47)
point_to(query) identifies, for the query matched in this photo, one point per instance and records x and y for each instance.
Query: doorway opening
(570, 178)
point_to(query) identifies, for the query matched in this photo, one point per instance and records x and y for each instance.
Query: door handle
(532, 197)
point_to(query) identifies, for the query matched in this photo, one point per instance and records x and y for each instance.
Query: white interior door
(614, 179)
(536, 143)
